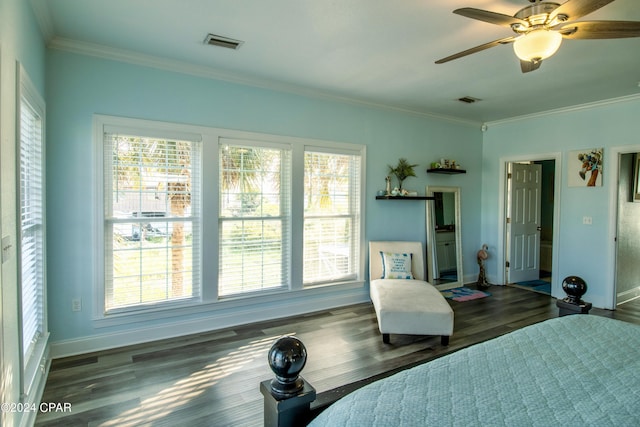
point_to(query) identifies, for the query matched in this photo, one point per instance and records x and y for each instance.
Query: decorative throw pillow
(396, 266)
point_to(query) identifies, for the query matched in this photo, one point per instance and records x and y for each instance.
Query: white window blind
(152, 200)
(32, 234)
(254, 218)
(331, 216)
(31, 228)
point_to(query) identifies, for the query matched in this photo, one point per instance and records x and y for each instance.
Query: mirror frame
(431, 236)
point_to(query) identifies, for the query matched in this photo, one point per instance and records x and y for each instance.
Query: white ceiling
(372, 51)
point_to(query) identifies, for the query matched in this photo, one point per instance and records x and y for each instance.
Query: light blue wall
(80, 86)
(22, 41)
(584, 250)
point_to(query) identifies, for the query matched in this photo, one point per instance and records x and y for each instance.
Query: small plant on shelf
(402, 171)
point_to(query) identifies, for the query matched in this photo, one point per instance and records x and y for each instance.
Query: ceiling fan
(541, 26)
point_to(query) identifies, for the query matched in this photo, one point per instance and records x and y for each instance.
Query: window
(195, 216)
(151, 219)
(32, 230)
(255, 217)
(331, 216)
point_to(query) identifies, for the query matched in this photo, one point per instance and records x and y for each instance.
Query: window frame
(146, 129)
(284, 217)
(35, 361)
(211, 139)
(355, 211)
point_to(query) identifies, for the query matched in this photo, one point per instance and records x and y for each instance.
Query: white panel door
(524, 253)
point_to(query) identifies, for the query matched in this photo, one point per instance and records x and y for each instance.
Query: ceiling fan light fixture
(537, 45)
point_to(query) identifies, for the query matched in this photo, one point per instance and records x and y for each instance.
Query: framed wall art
(585, 167)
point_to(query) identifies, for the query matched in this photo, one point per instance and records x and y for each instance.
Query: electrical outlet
(587, 220)
(76, 304)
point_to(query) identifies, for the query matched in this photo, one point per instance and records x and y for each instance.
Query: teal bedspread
(579, 370)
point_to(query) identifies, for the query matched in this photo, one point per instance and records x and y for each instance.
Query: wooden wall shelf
(446, 171)
(405, 198)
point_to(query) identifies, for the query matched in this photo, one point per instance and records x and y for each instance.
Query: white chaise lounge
(409, 306)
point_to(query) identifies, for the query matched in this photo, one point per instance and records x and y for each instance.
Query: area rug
(537, 285)
(464, 294)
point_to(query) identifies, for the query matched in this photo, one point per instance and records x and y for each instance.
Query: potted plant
(402, 171)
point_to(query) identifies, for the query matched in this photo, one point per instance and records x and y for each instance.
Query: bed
(579, 370)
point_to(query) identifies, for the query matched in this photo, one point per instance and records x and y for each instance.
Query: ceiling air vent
(468, 99)
(220, 41)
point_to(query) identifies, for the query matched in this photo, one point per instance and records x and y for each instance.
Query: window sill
(230, 303)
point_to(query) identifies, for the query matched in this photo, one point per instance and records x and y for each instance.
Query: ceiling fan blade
(599, 29)
(574, 9)
(490, 17)
(476, 49)
(528, 66)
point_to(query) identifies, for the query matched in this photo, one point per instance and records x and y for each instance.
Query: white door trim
(501, 256)
(613, 165)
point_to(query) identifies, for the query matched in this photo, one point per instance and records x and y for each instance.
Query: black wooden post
(574, 287)
(567, 308)
(287, 411)
(287, 397)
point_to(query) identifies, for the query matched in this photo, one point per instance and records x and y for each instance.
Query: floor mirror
(444, 247)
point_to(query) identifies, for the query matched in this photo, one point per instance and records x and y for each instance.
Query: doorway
(628, 229)
(529, 225)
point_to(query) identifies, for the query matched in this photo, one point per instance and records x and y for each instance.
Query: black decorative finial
(287, 357)
(574, 287)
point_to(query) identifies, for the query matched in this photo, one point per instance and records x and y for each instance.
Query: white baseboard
(628, 295)
(216, 321)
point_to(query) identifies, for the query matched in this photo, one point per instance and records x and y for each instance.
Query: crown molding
(565, 110)
(136, 58)
(43, 18)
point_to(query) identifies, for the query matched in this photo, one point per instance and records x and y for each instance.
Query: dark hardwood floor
(213, 379)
